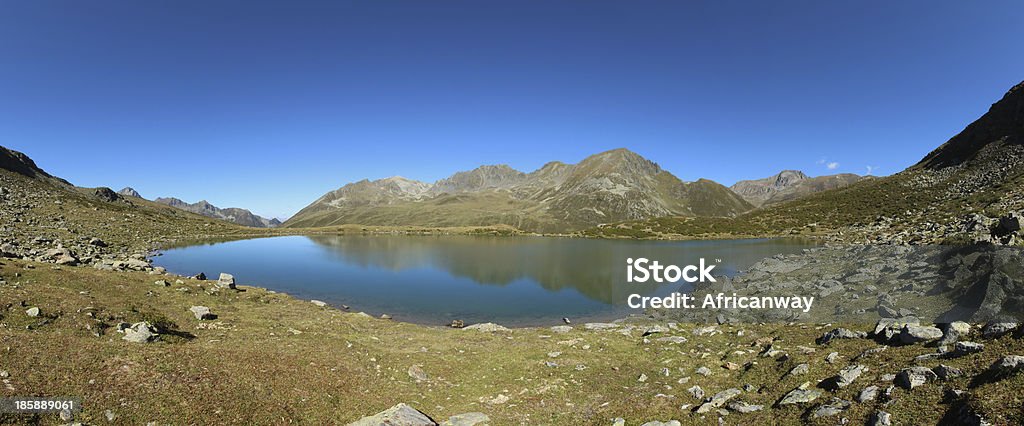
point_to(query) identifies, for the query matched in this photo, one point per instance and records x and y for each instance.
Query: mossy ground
(250, 366)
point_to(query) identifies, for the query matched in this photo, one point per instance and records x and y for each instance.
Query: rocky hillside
(789, 185)
(45, 219)
(957, 193)
(607, 187)
(231, 214)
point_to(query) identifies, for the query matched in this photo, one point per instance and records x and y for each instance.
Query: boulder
(946, 372)
(801, 395)
(799, 370)
(318, 303)
(1007, 365)
(965, 348)
(140, 332)
(833, 408)
(32, 312)
(910, 378)
(846, 376)
(918, 334)
(561, 328)
(718, 400)
(994, 330)
(868, 394)
(743, 407)
(840, 333)
(226, 281)
(881, 418)
(202, 313)
(399, 415)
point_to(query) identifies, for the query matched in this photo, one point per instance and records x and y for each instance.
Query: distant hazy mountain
(789, 185)
(129, 191)
(611, 186)
(231, 214)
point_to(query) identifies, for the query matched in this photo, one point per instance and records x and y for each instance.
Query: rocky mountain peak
(1002, 124)
(620, 160)
(788, 178)
(483, 177)
(129, 191)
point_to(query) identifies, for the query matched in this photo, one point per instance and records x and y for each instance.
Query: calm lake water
(517, 281)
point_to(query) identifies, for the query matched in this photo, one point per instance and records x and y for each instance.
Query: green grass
(248, 366)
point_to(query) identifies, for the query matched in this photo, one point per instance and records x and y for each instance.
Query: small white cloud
(832, 166)
(821, 161)
(870, 169)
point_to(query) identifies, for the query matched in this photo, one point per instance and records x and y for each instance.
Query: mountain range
(610, 186)
(789, 185)
(231, 214)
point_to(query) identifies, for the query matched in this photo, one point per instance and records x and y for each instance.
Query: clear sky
(267, 105)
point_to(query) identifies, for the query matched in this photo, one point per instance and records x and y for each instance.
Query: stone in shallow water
(399, 415)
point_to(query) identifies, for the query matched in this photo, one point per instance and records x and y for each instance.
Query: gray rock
(561, 328)
(881, 418)
(417, 373)
(954, 331)
(799, 370)
(318, 303)
(847, 375)
(917, 334)
(718, 400)
(32, 312)
(162, 283)
(228, 281)
(619, 421)
(994, 330)
(97, 242)
(840, 333)
(467, 419)
(965, 348)
(202, 313)
(832, 357)
(946, 372)
(833, 408)
(910, 378)
(868, 394)
(399, 415)
(1007, 365)
(743, 407)
(672, 339)
(696, 391)
(704, 371)
(801, 395)
(487, 327)
(140, 332)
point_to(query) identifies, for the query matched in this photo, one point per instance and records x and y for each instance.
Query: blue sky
(267, 105)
